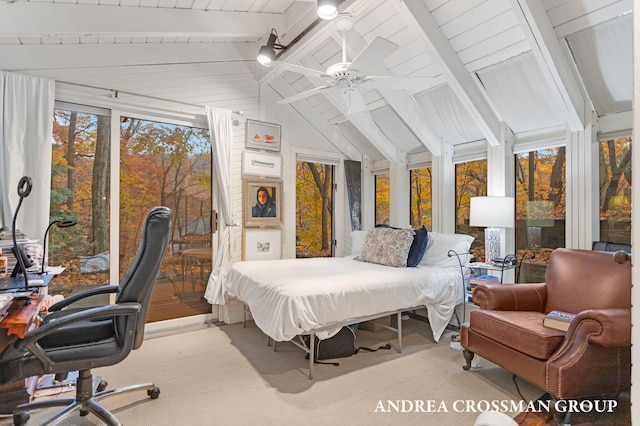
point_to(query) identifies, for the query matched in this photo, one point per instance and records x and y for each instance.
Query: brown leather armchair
(593, 357)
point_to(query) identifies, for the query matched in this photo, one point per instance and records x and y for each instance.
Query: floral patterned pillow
(387, 246)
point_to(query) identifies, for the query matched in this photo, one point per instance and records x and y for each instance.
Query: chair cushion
(520, 330)
(77, 333)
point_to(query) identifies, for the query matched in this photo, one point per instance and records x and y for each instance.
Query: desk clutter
(32, 248)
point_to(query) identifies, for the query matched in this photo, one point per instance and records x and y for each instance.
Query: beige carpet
(228, 375)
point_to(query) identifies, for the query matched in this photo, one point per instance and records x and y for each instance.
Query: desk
(17, 283)
(20, 317)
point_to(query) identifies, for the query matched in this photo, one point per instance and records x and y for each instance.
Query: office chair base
(83, 403)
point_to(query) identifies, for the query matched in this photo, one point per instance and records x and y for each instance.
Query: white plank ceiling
(524, 64)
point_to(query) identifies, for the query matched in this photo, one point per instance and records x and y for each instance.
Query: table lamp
(60, 224)
(493, 213)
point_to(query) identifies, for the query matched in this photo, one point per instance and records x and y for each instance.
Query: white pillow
(357, 238)
(439, 246)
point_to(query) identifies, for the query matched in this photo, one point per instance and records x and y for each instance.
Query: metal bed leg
(399, 332)
(312, 355)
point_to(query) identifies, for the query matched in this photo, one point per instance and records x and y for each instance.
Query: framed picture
(260, 164)
(261, 135)
(261, 244)
(262, 202)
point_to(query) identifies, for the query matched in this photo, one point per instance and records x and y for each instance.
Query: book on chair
(558, 319)
(484, 279)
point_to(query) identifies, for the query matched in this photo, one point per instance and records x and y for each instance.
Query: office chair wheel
(102, 385)
(154, 393)
(20, 419)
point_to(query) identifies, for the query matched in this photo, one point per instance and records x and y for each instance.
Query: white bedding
(295, 296)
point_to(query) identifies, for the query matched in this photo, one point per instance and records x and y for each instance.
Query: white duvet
(295, 296)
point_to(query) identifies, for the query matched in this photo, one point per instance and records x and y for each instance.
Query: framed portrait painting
(262, 135)
(261, 244)
(262, 202)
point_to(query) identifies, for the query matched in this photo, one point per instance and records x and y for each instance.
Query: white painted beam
(36, 19)
(41, 57)
(417, 15)
(443, 194)
(361, 120)
(403, 103)
(544, 44)
(314, 38)
(309, 114)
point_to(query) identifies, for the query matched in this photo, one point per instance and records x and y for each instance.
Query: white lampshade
(493, 212)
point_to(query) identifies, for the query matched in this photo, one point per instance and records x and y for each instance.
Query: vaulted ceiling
(525, 65)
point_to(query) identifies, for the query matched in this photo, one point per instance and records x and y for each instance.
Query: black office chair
(85, 338)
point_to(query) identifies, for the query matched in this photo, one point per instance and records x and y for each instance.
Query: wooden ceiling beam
(307, 113)
(458, 77)
(546, 49)
(73, 56)
(403, 103)
(25, 19)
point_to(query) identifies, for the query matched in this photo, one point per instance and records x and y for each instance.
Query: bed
(316, 296)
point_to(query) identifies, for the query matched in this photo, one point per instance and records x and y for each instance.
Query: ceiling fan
(345, 77)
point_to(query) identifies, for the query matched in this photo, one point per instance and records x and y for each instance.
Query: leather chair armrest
(511, 297)
(30, 341)
(97, 313)
(105, 289)
(609, 328)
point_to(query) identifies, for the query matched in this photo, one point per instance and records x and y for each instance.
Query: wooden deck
(172, 297)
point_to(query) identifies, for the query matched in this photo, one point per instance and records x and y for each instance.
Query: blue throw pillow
(418, 246)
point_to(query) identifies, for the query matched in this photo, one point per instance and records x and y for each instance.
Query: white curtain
(220, 129)
(26, 131)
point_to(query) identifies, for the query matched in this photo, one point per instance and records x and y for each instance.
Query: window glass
(79, 192)
(540, 208)
(314, 209)
(382, 207)
(169, 165)
(471, 181)
(421, 197)
(615, 190)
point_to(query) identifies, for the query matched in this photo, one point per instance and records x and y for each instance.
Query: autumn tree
(421, 197)
(314, 200)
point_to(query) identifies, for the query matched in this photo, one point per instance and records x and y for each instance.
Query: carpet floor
(228, 375)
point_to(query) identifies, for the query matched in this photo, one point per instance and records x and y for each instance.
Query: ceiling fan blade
(398, 83)
(304, 95)
(372, 55)
(299, 69)
(353, 99)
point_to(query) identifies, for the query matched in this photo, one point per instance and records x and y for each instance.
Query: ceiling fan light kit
(327, 9)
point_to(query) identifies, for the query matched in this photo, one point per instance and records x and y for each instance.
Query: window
(170, 165)
(420, 197)
(80, 191)
(540, 208)
(471, 181)
(314, 209)
(615, 190)
(382, 207)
